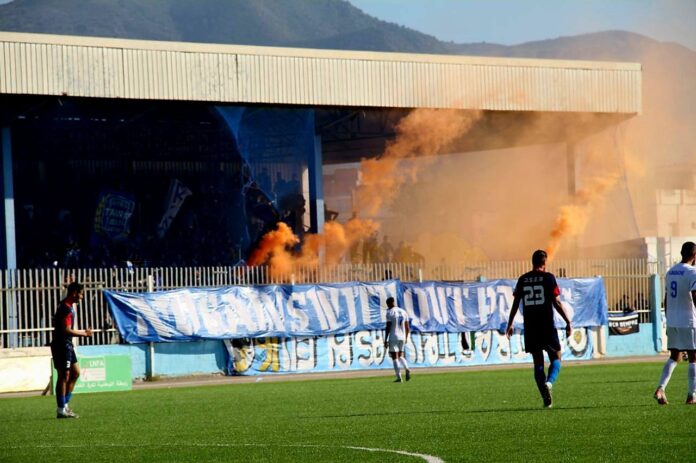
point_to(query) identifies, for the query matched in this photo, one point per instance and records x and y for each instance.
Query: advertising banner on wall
(103, 373)
(288, 311)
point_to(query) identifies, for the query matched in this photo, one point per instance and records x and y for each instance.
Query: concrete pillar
(8, 249)
(656, 313)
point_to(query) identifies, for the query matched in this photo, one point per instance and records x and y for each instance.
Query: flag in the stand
(623, 324)
(178, 192)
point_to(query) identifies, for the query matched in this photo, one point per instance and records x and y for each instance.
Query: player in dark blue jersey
(539, 294)
(63, 351)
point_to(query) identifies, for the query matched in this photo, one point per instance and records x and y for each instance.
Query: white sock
(692, 378)
(404, 363)
(396, 368)
(667, 370)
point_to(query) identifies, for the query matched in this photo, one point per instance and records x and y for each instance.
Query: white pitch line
(427, 458)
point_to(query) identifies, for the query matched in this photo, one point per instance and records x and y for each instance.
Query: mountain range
(664, 132)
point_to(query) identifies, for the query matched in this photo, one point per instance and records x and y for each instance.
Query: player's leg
(72, 380)
(61, 388)
(539, 375)
(691, 396)
(61, 362)
(404, 363)
(554, 366)
(667, 369)
(395, 363)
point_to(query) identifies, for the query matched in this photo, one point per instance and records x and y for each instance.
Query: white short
(396, 345)
(681, 338)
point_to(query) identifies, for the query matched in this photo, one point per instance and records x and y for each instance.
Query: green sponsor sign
(103, 373)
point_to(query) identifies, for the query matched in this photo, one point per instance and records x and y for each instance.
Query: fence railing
(30, 296)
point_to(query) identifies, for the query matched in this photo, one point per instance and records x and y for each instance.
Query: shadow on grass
(491, 410)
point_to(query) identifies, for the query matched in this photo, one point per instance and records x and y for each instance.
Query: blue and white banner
(314, 310)
(365, 350)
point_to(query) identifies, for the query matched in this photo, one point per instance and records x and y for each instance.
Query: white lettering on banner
(381, 293)
(299, 321)
(150, 315)
(516, 347)
(505, 298)
(211, 316)
(369, 348)
(184, 309)
(486, 302)
(349, 301)
(306, 353)
(439, 304)
(331, 311)
(255, 301)
(141, 326)
(269, 312)
(427, 347)
(446, 356)
(503, 344)
(483, 339)
(458, 295)
(408, 304)
(237, 314)
(364, 304)
(316, 305)
(340, 351)
(423, 304)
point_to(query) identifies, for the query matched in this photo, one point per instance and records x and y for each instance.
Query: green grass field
(601, 413)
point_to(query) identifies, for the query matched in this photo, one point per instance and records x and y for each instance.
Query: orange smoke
(273, 249)
(335, 242)
(328, 248)
(423, 132)
(572, 218)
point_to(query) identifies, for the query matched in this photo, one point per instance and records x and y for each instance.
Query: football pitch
(602, 412)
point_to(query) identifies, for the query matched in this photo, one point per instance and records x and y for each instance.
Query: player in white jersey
(680, 310)
(396, 336)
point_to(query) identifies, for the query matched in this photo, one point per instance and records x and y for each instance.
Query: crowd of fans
(216, 225)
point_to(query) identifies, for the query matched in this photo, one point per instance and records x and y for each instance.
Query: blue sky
(510, 22)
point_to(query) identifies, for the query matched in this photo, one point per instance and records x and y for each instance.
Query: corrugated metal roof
(118, 68)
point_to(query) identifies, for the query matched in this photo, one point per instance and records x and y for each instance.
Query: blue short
(63, 356)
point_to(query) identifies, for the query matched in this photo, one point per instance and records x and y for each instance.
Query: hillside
(305, 23)
(662, 136)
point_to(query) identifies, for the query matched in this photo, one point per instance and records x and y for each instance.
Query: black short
(63, 356)
(538, 340)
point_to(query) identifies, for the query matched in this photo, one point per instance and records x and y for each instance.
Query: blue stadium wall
(273, 356)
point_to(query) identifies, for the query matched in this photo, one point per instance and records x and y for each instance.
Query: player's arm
(387, 329)
(408, 329)
(87, 332)
(73, 332)
(513, 312)
(558, 305)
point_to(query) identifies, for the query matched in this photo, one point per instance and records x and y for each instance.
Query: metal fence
(30, 296)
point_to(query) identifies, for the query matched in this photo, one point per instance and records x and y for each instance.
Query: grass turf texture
(601, 413)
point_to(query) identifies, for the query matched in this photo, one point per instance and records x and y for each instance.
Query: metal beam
(9, 258)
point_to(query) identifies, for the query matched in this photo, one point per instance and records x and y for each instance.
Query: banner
(178, 192)
(365, 350)
(102, 374)
(623, 324)
(112, 217)
(314, 310)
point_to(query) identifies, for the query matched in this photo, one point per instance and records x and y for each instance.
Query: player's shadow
(482, 411)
